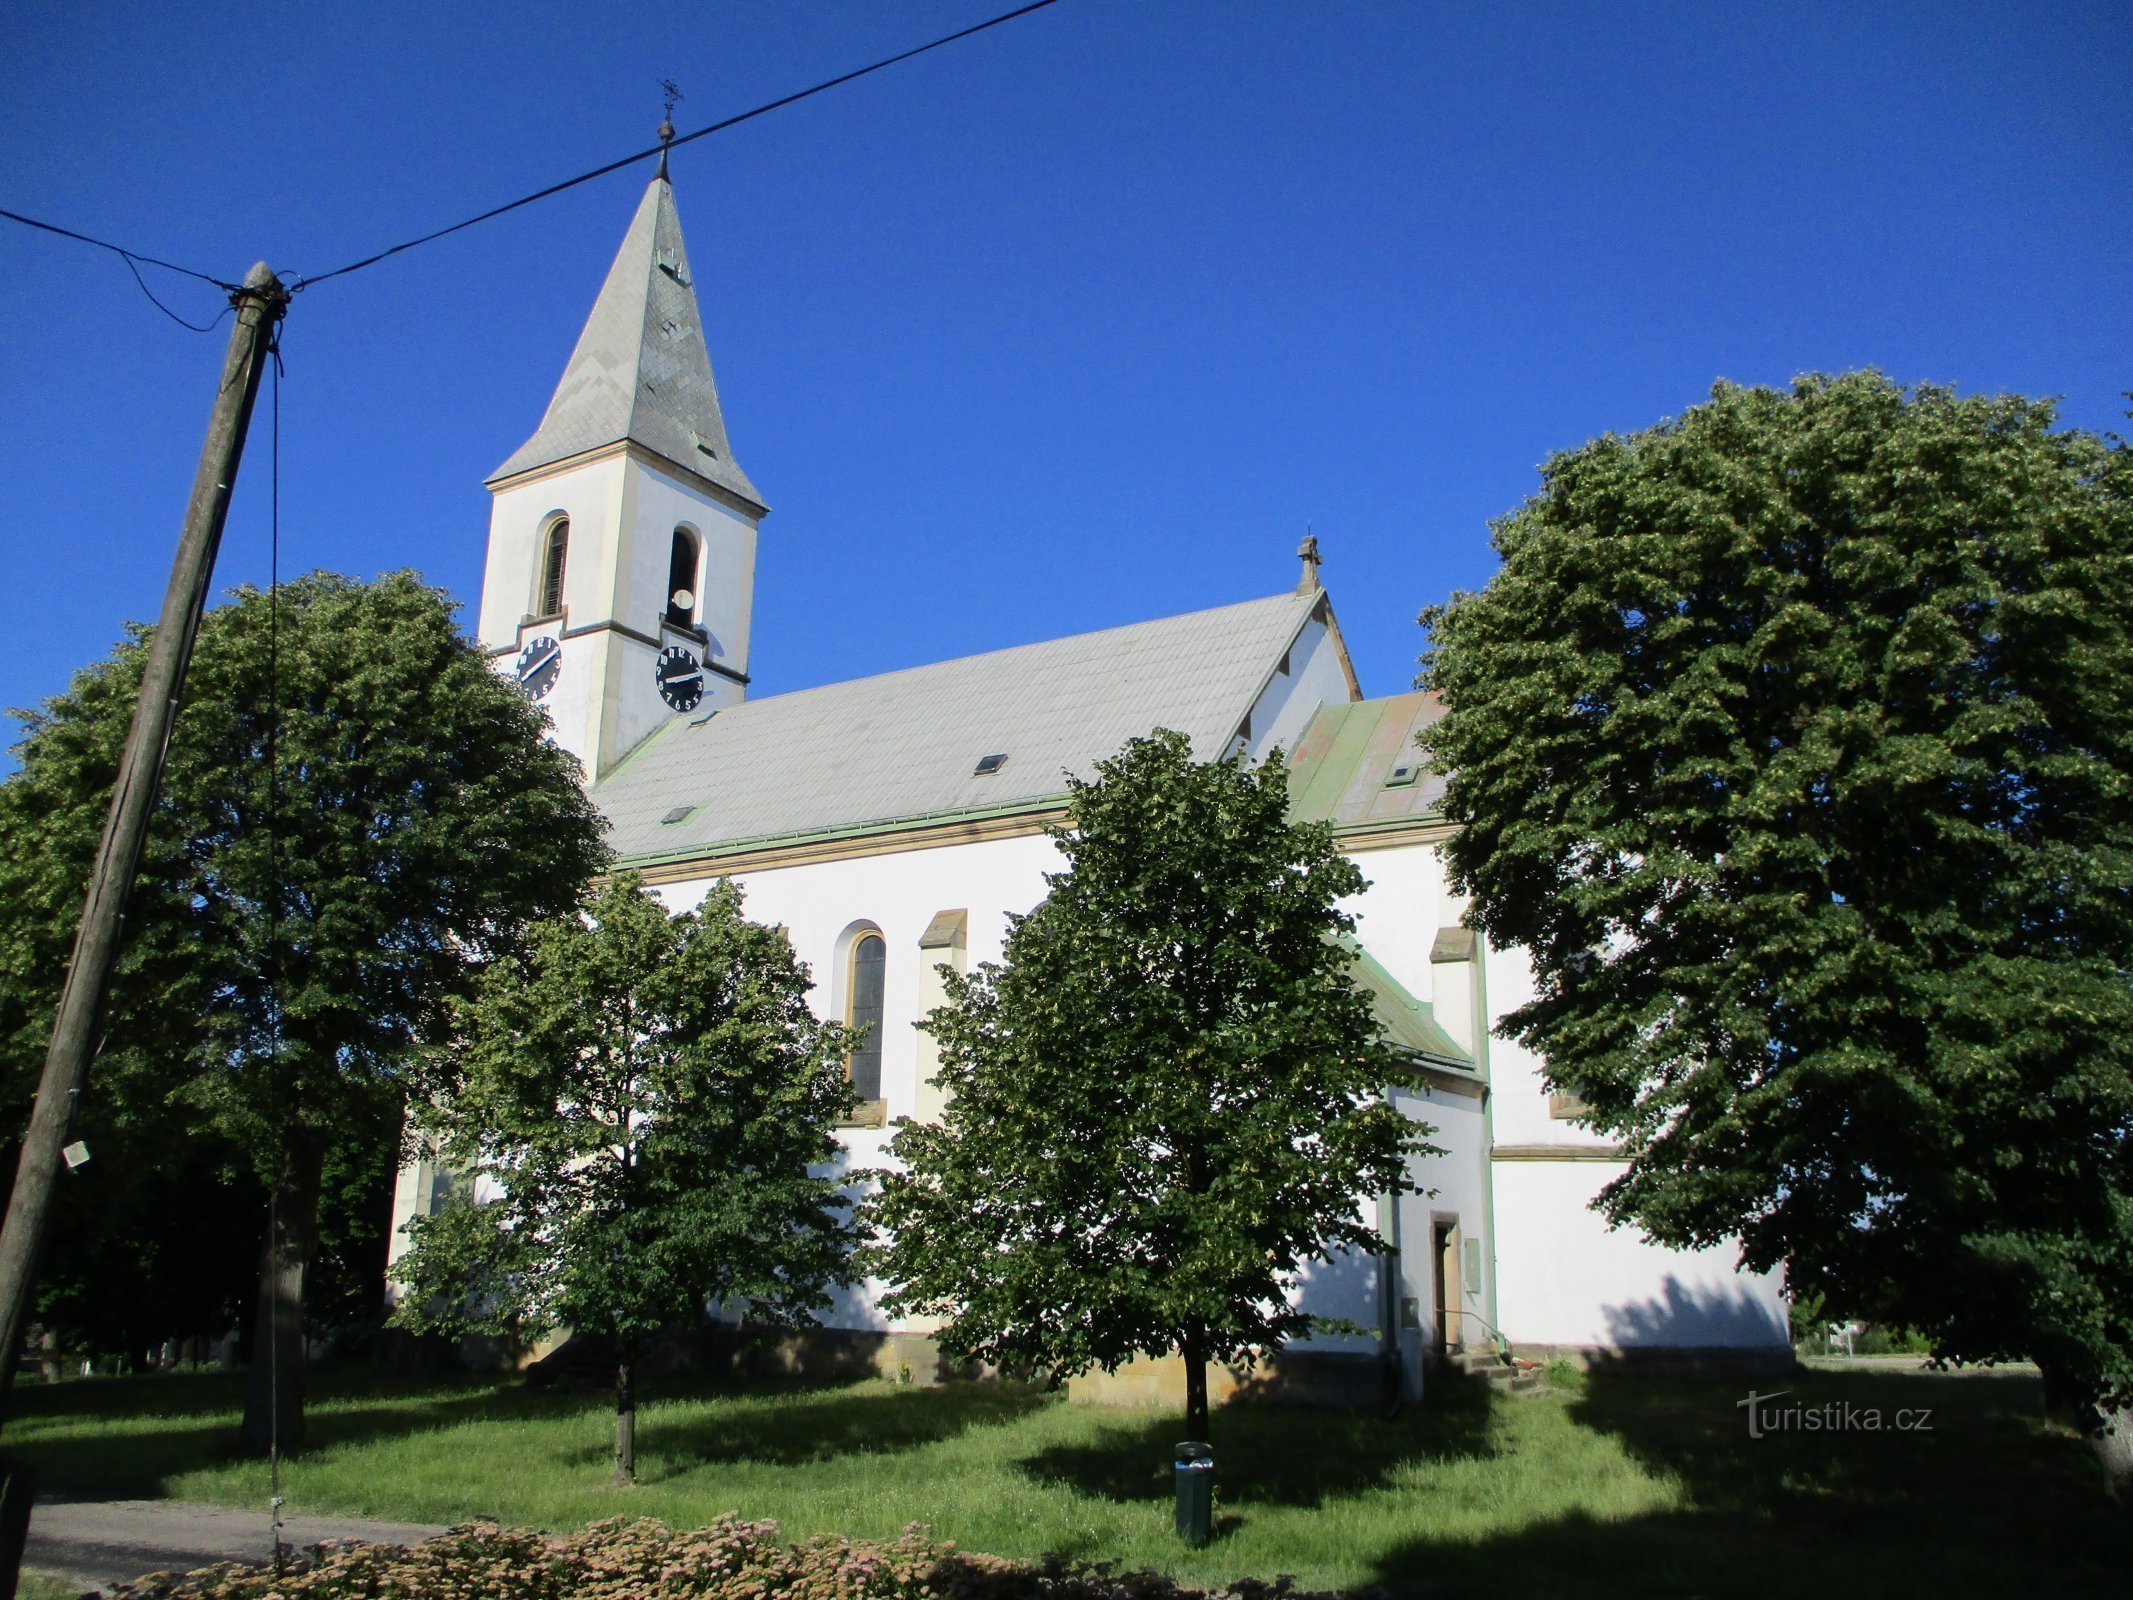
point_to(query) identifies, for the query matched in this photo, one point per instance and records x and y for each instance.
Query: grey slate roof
(641, 370)
(905, 744)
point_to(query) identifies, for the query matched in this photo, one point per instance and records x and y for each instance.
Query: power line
(301, 282)
(197, 327)
(121, 250)
(135, 260)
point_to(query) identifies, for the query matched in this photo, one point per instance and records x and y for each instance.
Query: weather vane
(672, 90)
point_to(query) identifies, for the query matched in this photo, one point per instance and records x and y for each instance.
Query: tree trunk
(2108, 1429)
(625, 1424)
(2110, 1433)
(1194, 1351)
(274, 1388)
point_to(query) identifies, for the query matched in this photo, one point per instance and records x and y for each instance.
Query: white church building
(892, 824)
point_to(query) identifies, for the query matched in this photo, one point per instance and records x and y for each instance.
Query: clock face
(681, 678)
(538, 665)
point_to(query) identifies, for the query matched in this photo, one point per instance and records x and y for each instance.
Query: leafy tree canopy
(1792, 739)
(356, 815)
(638, 1114)
(1165, 1103)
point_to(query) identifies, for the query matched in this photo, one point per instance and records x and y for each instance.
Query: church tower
(621, 568)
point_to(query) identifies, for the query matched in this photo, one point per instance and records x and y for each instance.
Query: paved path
(98, 1543)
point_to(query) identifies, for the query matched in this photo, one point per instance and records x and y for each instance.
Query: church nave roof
(908, 744)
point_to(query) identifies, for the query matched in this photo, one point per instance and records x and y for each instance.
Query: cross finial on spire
(672, 90)
(1308, 583)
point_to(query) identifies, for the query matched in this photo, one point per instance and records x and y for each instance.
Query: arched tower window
(555, 554)
(870, 956)
(681, 579)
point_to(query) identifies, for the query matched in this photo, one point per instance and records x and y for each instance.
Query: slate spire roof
(641, 370)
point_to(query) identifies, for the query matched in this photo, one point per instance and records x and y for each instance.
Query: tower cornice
(644, 457)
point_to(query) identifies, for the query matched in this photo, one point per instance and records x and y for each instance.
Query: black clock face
(681, 678)
(538, 665)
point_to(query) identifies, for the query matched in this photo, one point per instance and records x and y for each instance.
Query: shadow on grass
(179, 1423)
(797, 1427)
(1273, 1454)
(182, 1423)
(175, 1395)
(1981, 1498)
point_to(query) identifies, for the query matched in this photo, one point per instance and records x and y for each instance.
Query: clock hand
(532, 667)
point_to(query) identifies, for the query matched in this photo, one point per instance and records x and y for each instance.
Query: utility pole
(260, 304)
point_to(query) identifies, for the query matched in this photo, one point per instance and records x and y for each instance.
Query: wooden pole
(260, 304)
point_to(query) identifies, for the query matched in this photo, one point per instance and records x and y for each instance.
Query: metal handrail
(1497, 1337)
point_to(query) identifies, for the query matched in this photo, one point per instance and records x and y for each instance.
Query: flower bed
(639, 1559)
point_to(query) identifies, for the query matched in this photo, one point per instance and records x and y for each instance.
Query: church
(892, 824)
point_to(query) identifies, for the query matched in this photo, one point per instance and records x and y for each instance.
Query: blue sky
(1079, 322)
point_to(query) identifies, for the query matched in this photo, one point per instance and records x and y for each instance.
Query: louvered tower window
(681, 579)
(554, 555)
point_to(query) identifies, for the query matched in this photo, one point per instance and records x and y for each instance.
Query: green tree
(638, 1115)
(1792, 740)
(1165, 1102)
(357, 814)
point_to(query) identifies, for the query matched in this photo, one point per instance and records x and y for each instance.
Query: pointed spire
(641, 371)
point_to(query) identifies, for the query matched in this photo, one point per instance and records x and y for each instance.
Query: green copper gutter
(884, 826)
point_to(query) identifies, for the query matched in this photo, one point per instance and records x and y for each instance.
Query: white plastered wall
(1456, 1194)
(1568, 1280)
(1397, 915)
(1286, 705)
(1564, 1277)
(654, 506)
(591, 496)
(1403, 904)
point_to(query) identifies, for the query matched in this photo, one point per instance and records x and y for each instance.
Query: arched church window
(555, 552)
(869, 965)
(681, 579)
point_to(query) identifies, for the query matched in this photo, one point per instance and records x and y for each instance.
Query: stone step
(1488, 1367)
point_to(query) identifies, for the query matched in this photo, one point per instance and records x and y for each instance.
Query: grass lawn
(1606, 1485)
